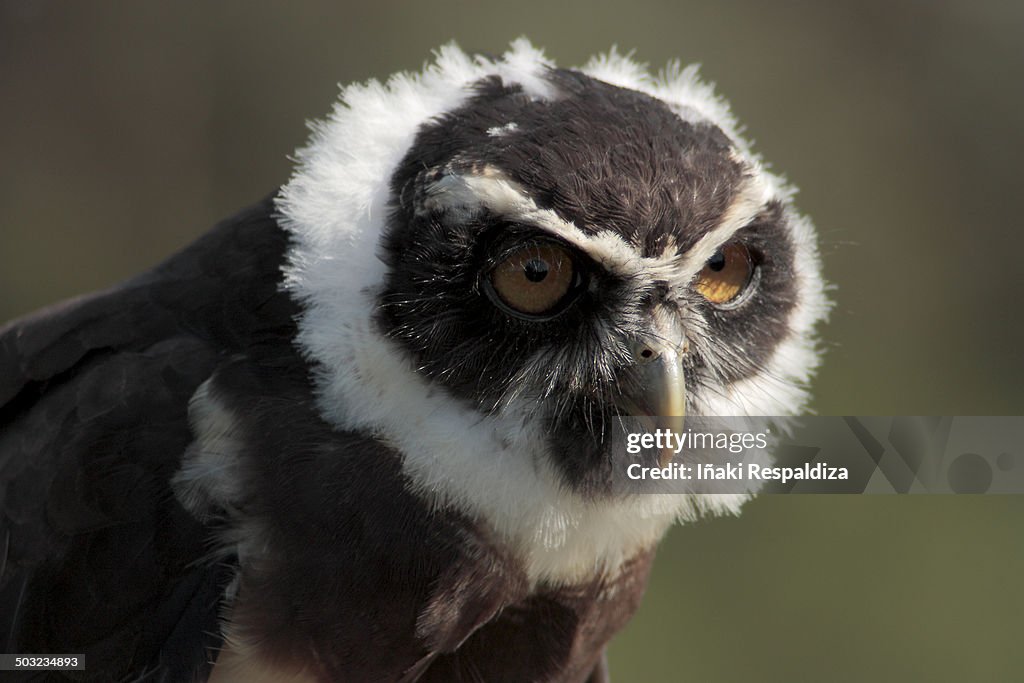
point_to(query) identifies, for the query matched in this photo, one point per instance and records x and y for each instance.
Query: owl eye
(726, 275)
(535, 281)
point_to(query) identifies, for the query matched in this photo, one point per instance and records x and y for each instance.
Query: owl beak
(665, 393)
(659, 398)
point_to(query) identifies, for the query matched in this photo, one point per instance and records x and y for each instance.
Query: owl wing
(96, 555)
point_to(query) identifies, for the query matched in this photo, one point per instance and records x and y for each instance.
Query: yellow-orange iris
(726, 274)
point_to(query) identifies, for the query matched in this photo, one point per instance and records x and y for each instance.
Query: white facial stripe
(489, 189)
(749, 200)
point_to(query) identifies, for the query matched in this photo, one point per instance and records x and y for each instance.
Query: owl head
(496, 258)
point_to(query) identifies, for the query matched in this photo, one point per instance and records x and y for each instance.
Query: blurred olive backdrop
(127, 129)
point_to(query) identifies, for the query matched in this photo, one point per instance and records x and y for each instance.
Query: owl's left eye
(537, 281)
(726, 275)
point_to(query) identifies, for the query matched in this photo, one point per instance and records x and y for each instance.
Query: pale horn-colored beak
(659, 394)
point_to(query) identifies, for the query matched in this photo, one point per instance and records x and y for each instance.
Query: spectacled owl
(360, 431)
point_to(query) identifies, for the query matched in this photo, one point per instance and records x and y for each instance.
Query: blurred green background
(127, 129)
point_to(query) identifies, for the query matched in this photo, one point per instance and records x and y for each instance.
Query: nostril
(644, 351)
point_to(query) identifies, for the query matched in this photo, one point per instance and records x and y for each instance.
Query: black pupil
(535, 269)
(717, 262)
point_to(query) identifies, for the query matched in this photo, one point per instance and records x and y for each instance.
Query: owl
(361, 430)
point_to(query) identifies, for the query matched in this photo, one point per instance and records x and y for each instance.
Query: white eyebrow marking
(488, 188)
(749, 200)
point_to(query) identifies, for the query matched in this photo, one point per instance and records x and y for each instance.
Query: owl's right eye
(726, 275)
(536, 281)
